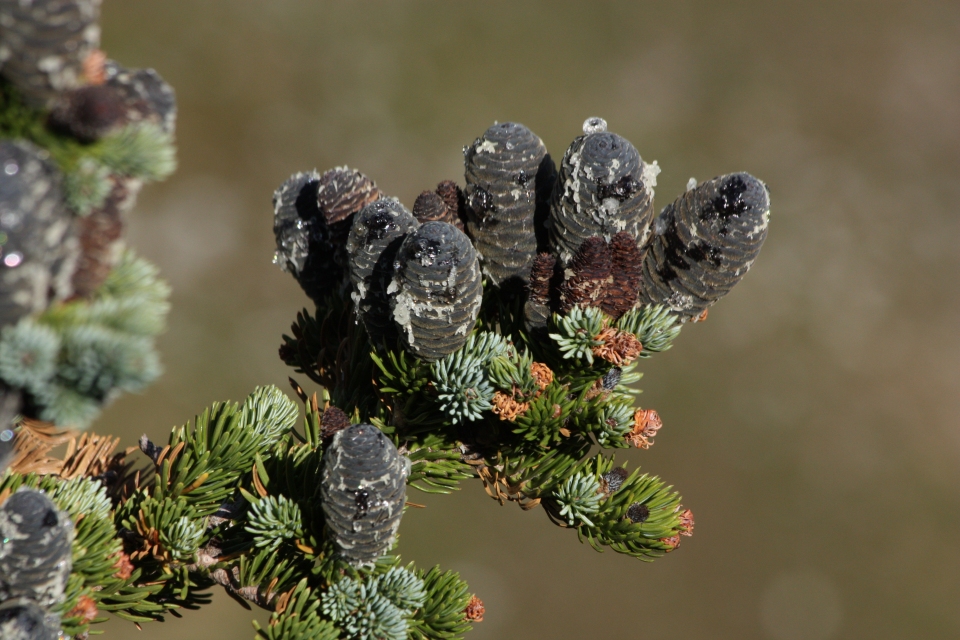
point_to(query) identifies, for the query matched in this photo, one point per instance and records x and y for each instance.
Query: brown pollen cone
(94, 67)
(124, 568)
(452, 196)
(475, 610)
(590, 273)
(621, 294)
(333, 420)
(646, 424)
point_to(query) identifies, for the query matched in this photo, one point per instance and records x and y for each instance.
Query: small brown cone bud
(124, 568)
(429, 206)
(590, 272)
(333, 420)
(619, 347)
(646, 424)
(686, 523)
(475, 610)
(672, 542)
(85, 609)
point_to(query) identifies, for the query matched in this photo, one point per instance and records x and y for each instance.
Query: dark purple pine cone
(436, 291)
(589, 274)
(705, 242)
(375, 237)
(304, 247)
(146, 96)
(38, 245)
(604, 187)
(501, 174)
(88, 113)
(540, 290)
(620, 295)
(452, 196)
(35, 561)
(44, 43)
(22, 619)
(363, 489)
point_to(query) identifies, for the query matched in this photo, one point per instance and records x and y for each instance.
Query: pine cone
(705, 242)
(601, 190)
(501, 171)
(22, 619)
(36, 559)
(375, 237)
(363, 489)
(43, 45)
(342, 193)
(39, 249)
(437, 290)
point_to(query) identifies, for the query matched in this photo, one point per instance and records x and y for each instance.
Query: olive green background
(811, 423)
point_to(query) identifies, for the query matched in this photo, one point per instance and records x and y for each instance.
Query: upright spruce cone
(363, 489)
(436, 291)
(312, 219)
(44, 43)
(604, 187)
(537, 309)
(452, 196)
(22, 619)
(35, 558)
(705, 242)
(304, 247)
(501, 173)
(590, 272)
(375, 237)
(38, 246)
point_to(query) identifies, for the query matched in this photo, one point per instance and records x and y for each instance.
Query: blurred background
(811, 423)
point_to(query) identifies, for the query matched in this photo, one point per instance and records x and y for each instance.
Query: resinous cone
(375, 237)
(501, 173)
(705, 242)
(436, 290)
(363, 489)
(603, 188)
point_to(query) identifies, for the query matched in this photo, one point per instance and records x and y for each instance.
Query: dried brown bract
(646, 423)
(686, 523)
(619, 347)
(475, 610)
(507, 407)
(672, 542)
(94, 67)
(590, 272)
(86, 609)
(124, 568)
(542, 374)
